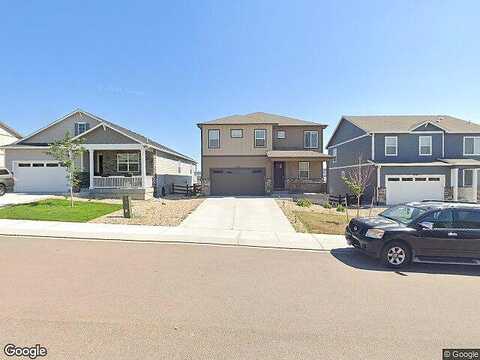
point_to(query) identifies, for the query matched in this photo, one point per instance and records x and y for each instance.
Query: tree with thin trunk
(66, 151)
(358, 179)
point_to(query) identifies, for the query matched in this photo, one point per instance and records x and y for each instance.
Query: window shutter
(76, 129)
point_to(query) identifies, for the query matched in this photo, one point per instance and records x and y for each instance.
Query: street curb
(168, 242)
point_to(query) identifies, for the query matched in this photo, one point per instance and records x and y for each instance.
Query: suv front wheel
(396, 254)
(3, 189)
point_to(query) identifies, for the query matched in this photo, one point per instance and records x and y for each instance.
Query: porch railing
(121, 182)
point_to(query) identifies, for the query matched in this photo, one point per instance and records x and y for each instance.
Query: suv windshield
(403, 213)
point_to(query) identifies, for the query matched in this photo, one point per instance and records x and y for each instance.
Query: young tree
(66, 151)
(357, 180)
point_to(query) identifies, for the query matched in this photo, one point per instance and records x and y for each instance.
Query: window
(260, 137)
(468, 177)
(4, 172)
(439, 219)
(310, 139)
(281, 134)
(24, 165)
(128, 162)
(471, 145)
(81, 127)
(467, 219)
(213, 139)
(391, 146)
(236, 133)
(52, 165)
(424, 145)
(334, 154)
(38, 165)
(303, 169)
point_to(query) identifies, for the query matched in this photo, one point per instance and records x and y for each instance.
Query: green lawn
(322, 223)
(58, 210)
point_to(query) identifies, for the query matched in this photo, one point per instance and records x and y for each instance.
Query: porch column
(474, 185)
(454, 183)
(91, 167)
(143, 166)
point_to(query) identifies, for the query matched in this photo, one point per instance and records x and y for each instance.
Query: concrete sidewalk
(286, 240)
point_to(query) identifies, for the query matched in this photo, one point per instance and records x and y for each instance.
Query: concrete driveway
(239, 213)
(16, 198)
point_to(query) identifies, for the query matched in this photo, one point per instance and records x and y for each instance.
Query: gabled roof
(260, 118)
(10, 130)
(135, 136)
(407, 123)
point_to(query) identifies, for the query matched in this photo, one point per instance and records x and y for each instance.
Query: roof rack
(452, 202)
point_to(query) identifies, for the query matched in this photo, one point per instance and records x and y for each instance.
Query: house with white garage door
(116, 160)
(7, 136)
(407, 158)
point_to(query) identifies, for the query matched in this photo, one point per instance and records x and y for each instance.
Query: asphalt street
(130, 300)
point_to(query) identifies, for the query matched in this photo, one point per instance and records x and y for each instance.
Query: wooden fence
(187, 190)
(344, 200)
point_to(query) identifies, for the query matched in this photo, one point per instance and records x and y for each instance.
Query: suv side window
(467, 219)
(442, 219)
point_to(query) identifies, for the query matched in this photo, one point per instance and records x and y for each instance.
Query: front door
(99, 165)
(279, 175)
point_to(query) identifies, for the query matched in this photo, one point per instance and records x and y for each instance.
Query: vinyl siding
(168, 165)
(59, 130)
(349, 153)
(407, 148)
(294, 138)
(236, 146)
(105, 135)
(345, 131)
(454, 146)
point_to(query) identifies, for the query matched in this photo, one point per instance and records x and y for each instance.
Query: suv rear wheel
(396, 254)
(3, 189)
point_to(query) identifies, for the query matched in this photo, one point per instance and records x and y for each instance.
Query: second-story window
(424, 145)
(81, 127)
(391, 143)
(213, 139)
(471, 145)
(260, 138)
(310, 139)
(236, 133)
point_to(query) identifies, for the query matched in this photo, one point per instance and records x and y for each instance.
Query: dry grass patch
(164, 212)
(317, 219)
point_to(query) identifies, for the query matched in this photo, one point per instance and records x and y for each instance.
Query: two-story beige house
(258, 153)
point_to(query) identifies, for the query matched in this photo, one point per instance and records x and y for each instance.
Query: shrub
(341, 208)
(304, 202)
(327, 206)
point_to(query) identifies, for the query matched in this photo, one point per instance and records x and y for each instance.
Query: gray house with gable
(408, 158)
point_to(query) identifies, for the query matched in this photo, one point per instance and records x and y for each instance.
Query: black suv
(428, 231)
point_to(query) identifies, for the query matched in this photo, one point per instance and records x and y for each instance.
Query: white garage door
(39, 176)
(407, 188)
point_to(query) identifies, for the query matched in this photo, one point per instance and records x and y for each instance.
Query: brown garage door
(238, 181)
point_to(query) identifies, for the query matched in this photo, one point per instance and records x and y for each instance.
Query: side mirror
(425, 225)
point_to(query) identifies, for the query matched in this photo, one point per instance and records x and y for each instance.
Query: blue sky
(160, 67)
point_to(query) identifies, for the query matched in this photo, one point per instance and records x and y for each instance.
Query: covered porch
(464, 180)
(114, 170)
(298, 171)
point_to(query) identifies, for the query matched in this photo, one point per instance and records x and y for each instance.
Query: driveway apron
(239, 213)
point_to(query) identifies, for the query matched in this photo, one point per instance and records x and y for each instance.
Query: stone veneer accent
(382, 195)
(448, 193)
(268, 185)
(205, 186)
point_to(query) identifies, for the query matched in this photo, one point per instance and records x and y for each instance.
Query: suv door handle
(452, 234)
